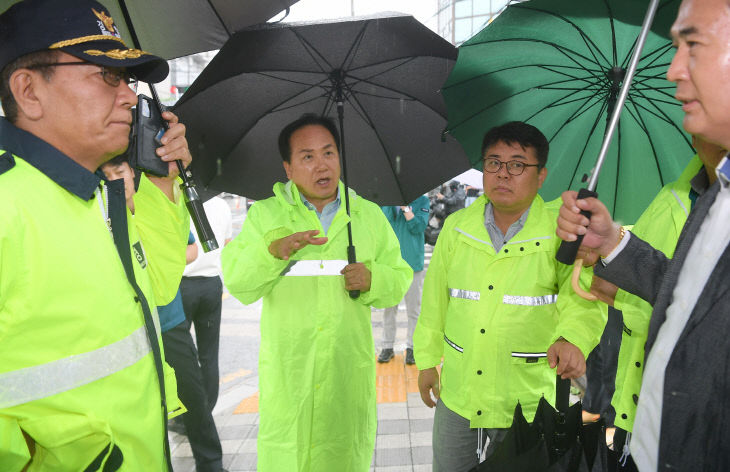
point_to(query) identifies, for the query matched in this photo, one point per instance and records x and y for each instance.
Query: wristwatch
(408, 210)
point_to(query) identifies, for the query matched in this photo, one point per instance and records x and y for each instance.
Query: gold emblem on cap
(106, 19)
(119, 54)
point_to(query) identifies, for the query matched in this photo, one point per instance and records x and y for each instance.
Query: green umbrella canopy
(558, 65)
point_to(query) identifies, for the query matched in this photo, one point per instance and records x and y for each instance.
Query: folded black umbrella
(556, 440)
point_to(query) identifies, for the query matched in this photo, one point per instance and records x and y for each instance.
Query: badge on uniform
(139, 254)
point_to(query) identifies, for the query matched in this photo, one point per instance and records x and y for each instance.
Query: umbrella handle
(575, 282)
(569, 249)
(351, 259)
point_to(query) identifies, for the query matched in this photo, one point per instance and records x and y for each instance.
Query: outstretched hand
(283, 248)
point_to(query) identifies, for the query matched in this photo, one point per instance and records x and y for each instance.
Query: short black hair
(305, 120)
(521, 133)
(118, 160)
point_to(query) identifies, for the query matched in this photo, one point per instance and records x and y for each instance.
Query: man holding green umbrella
(680, 420)
(497, 306)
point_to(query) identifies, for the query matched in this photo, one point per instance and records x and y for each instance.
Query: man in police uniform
(83, 384)
(497, 306)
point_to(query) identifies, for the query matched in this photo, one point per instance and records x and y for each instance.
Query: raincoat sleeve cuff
(387, 285)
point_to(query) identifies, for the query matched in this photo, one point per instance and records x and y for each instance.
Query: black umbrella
(385, 72)
(175, 28)
(556, 440)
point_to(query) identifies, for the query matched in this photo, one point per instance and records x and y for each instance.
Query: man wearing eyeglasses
(498, 307)
(83, 381)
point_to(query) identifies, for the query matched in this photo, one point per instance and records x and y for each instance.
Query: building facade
(459, 20)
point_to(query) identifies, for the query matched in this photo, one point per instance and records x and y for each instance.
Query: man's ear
(23, 85)
(287, 169)
(541, 176)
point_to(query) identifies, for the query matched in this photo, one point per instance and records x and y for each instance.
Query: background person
(409, 222)
(316, 363)
(497, 306)
(202, 292)
(180, 351)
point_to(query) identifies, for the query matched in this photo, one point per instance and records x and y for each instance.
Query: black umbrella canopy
(175, 28)
(388, 70)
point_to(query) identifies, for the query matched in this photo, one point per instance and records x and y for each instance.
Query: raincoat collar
(57, 166)
(289, 193)
(474, 219)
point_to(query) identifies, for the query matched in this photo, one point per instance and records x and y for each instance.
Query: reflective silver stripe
(467, 294)
(453, 344)
(681, 203)
(529, 354)
(44, 380)
(472, 237)
(531, 239)
(529, 301)
(314, 268)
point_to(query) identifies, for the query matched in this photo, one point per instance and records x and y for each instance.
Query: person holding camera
(83, 381)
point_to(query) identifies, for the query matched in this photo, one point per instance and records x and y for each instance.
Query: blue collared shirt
(328, 212)
(495, 234)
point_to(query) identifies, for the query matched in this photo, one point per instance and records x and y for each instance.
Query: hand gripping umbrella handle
(351, 259)
(192, 200)
(569, 249)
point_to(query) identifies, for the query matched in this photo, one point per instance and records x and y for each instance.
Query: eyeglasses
(513, 167)
(111, 75)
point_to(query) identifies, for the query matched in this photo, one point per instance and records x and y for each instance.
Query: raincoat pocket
(67, 441)
(453, 367)
(530, 372)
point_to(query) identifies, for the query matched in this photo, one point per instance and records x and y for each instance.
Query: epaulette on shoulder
(7, 161)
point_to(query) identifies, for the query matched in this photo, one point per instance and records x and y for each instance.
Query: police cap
(82, 28)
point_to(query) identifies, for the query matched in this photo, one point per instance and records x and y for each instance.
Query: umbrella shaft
(648, 19)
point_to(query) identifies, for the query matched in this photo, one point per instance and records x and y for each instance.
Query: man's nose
(502, 172)
(677, 68)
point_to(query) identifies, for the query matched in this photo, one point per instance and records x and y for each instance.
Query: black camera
(147, 130)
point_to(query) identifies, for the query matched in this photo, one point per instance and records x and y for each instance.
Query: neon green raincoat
(77, 373)
(659, 225)
(493, 316)
(317, 360)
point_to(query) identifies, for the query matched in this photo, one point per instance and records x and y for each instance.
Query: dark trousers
(601, 369)
(201, 298)
(180, 353)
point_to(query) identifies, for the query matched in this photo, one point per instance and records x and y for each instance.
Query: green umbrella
(559, 65)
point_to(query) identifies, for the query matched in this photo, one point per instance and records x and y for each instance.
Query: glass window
(483, 7)
(497, 6)
(480, 22)
(462, 30)
(462, 8)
